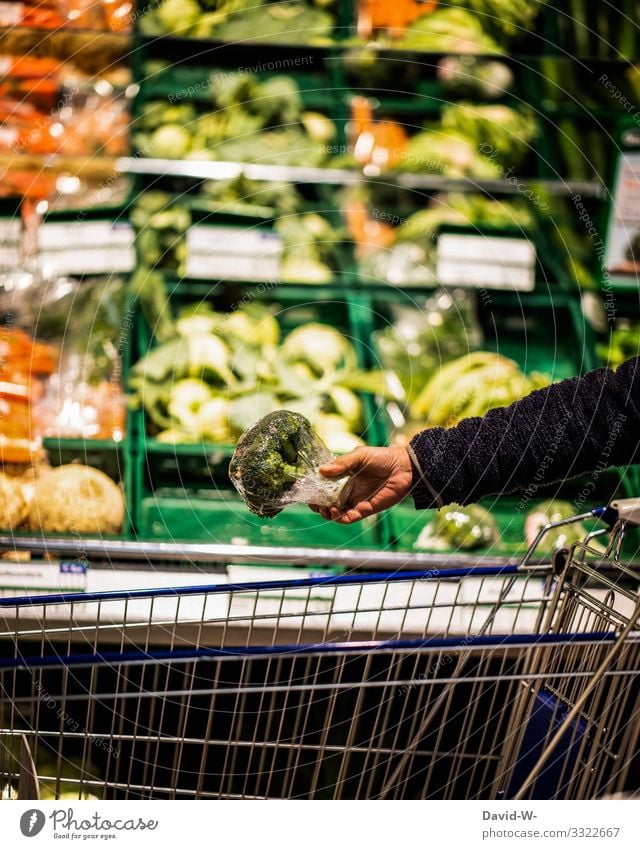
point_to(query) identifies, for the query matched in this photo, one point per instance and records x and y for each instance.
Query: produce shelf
(93, 49)
(201, 170)
(510, 513)
(182, 491)
(222, 518)
(549, 43)
(63, 445)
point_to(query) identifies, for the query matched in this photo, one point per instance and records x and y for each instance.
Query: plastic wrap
(276, 463)
(72, 365)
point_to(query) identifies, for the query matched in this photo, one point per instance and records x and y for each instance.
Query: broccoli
(269, 458)
(459, 528)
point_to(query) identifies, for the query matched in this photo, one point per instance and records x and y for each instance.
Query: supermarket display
(251, 120)
(217, 373)
(201, 365)
(238, 240)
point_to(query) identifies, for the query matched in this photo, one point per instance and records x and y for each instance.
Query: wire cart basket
(510, 681)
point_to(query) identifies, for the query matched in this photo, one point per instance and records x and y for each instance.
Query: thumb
(345, 465)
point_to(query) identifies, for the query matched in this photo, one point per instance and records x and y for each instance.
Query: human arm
(555, 433)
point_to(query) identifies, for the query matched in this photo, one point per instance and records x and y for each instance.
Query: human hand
(379, 478)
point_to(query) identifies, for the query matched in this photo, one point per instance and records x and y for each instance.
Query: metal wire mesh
(463, 683)
(328, 609)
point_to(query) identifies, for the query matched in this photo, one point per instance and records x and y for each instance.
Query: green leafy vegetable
(275, 454)
(459, 528)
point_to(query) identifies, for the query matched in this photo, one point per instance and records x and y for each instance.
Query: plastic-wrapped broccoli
(457, 527)
(276, 463)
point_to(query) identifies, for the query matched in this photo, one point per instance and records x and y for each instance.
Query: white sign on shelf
(10, 242)
(25, 578)
(623, 237)
(87, 247)
(233, 253)
(494, 262)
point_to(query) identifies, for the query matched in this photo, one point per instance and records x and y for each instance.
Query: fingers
(323, 511)
(345, 465)
(362, 511)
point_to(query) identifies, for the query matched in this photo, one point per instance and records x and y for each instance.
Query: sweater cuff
(423, 493)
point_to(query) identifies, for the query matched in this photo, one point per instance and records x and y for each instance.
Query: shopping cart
(510, 681)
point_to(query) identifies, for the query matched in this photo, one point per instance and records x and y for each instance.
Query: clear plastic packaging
(71, 356)
(457, 528)
(276, 463)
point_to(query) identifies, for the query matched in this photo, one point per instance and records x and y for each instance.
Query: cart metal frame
(482, 681)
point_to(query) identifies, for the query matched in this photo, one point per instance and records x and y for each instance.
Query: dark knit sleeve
(564, 430)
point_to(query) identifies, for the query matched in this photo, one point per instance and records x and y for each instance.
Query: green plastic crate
(170, 515)
(539, 331)
(183, 491)
(192, 83)
(295, 306)
(509, 512)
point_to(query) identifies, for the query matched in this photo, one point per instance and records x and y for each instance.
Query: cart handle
(623, 509)
(258, 586)
(354, 647)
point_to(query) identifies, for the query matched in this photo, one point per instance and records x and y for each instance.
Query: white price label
(232, 253)
(623, 237)
(17, 577)
(87, 247)
(495, 262)
(10, 242)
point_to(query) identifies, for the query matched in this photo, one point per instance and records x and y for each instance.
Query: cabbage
(176, 16)
(459, 528)
(321, 347)
(213, 420)
(170, 142)
(553, 511)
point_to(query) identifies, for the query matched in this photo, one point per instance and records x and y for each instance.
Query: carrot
(41, 18)
(17, 450)
(32, 184)
(31, 67)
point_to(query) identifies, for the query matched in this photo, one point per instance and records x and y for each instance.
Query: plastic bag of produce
(457, 527)
(84, 397)
(276, 463)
